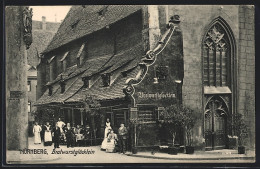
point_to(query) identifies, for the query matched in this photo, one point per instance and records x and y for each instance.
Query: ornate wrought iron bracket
(150, 58)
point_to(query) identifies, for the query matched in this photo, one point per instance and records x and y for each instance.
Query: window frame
(29, 85)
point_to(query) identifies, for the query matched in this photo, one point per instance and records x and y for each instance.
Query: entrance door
(215, 124)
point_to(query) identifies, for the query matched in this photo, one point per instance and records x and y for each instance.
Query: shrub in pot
(172, 119)
(190, 118)
(240, 130)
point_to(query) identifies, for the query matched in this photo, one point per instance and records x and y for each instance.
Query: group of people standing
(113, 142)
(74, 136)
(61, 132)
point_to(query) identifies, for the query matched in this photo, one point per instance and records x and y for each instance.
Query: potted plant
(190, 119)
(92, 106)
(172, 119)
(240, 130)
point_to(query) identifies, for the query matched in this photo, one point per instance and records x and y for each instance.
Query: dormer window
(75, 24)
(64, 61)
(86, 82)
(62, 87)
(103, 11)
(106, 79)
(80, 55)
(50, 90)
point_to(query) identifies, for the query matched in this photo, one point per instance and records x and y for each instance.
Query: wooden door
(215, 124)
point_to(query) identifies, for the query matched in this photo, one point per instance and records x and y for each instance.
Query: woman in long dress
(79, 135)
(111, 142)
(104, 142)
(47, 135)
(107, 127)
(36, 131)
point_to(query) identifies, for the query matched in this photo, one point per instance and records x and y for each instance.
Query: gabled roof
(75, 92)
(90, 66)
(81, 21)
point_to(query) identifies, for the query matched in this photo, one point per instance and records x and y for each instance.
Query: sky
(49, 12)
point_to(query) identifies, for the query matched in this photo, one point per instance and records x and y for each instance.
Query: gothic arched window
(216, 57)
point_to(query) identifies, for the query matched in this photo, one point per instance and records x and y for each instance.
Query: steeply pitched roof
(41, 38)
(82, 21)
(90, 66)
(74, 84)
(114, 91)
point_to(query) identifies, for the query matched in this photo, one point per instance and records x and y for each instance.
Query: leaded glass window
(216, 57)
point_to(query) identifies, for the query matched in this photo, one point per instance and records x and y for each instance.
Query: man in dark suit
(122, 132)
(56, 138)
(69, 135)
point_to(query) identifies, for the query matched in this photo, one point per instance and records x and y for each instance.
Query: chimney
(43, 22)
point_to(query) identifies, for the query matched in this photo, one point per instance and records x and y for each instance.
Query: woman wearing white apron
(36, 131)
(47, 135)
(107, 131)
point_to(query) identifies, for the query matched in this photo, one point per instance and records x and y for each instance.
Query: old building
(206, 61)
(42, 33)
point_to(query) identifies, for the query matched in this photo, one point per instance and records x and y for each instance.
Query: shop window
(29, 107)
(161, 72)
(106, 80)
(29, 86)
(216, 57)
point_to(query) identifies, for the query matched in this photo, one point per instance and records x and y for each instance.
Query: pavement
(218, 155)
(93, 154)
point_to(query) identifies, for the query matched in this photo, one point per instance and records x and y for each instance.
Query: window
(80, 54)
(29, 107)
(64, 62)
(75, 24)
(147, 113)
(216, 57)
(103, 11)
(62, 87)
(78, 61)
(106, 79)
(29, 86)
(161, 72)
(50, 90)
(86, 82)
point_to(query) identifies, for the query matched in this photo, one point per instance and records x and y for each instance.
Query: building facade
(42, 33)
(134, 63)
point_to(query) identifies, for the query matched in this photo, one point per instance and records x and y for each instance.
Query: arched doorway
(216, 114)
(219, 82)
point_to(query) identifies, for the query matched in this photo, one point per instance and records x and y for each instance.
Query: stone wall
(246, 68)
(16, 80)
(195, 21)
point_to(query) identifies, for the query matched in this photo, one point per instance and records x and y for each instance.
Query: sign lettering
(156, 96)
